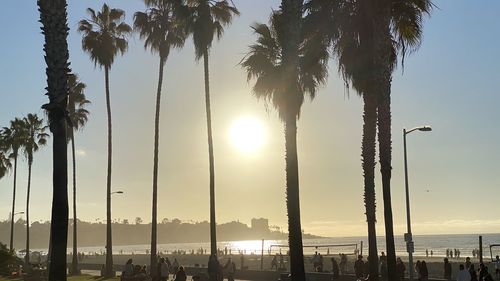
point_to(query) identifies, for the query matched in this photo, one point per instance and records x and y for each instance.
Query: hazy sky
(451, 83)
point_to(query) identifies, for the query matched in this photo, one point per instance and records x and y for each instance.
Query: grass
(72, 278)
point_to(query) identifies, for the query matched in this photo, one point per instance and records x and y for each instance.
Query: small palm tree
(78, 116)
(207, 20)
(54, 20)
(162, 27)
(13, 138)
(266, 64)
(35, 137)
(5, 164)
(104, 36)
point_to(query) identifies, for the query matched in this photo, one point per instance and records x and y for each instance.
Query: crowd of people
(164, 269)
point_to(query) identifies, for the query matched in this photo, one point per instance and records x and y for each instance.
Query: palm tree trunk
(27, 257)
(74, 262)
(292, 201)
(109, 243)
(382, 61)
(213, 230)
(385, 148)
(13, 206)
(154, 219)
(53, 17)
(368, 154)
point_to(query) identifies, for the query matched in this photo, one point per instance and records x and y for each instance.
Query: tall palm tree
(208, 19)
(104, 36)
(13, 137)
(162, 27)
(78, 116)
(5, 164)
(398, 31)
(35, 138)
(54, 20)
(285, 87)
(348, 27)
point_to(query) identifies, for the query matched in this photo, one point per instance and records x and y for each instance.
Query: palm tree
(208, 19)
(13, 137)
(398, 30)
(5, 164)
(347, 26)
(78, 116)
(285, 87)
(104, 36)
(35, 138)
(162, 28)
(54, 20)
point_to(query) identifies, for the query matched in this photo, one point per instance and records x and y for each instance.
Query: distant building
(260, 225)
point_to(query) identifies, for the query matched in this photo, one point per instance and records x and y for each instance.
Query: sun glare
(247, 134)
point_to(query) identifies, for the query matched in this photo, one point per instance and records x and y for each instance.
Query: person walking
(472, 272)
(463, 274)
(335, 269)
(180, 275)
(497, 267)
(417, 270)
(359, 267)
(164, 270)
(467, 263)
(424, 273)
(400, 269)
(447, 269)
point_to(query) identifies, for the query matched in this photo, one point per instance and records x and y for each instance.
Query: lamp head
(425, 129)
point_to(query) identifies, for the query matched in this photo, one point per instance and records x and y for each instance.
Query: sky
(451, 83)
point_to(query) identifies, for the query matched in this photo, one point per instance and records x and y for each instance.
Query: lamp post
(408, 236)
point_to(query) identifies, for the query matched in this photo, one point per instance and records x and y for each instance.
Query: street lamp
(408, 235)
(18, 213)
(117, 192)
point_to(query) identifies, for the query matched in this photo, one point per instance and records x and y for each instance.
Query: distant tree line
(133, 233)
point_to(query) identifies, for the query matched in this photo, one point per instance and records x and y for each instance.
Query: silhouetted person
(497, 267)
(274, 262)
(472, 272)
(432, 253)
(129, 269)
(359, 267)
(163, 270)
(242, 261)
(383, 266)
(447, 269)
(467, 263)
(282, 262)
(417, 269)
(343, 263)
(482, 271)
(180, 275)
(424, 273)
(463, 274)
(230, 268)
(426, 253)
(335, 269)
(400, 269)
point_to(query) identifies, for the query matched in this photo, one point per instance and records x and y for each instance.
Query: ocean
(466, 243)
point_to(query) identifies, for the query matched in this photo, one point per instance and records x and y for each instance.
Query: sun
(247, 134)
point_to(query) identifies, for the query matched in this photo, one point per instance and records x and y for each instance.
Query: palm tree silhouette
(54, 20)
(5, 164)
(35, 137)
(78, 116)
(13, 137)
(162, 27)
(104, 36)
(208, 19)
(398, 29)
(265, 62)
